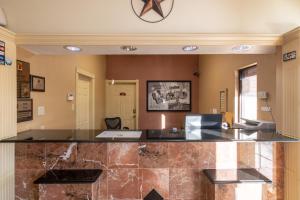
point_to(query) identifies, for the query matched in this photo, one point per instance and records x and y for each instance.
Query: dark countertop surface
(71, 176)
(200, 135)
(234, 176)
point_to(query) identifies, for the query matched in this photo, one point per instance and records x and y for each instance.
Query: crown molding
(7, 34)
(291, 35)
(149, 39)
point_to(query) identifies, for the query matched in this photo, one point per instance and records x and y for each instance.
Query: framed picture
(24, 110)
(224, 101)
(24, 91)
(23, 79)
(37, 83)
(169, 96)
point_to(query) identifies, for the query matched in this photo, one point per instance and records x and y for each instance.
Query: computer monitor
(203, 121)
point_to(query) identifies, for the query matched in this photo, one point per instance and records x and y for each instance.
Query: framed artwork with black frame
(24, 110)
(37, 83)
(23, 79)
(169, 96)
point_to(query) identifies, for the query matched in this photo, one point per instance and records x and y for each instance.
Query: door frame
(91, 76)
(136, 82)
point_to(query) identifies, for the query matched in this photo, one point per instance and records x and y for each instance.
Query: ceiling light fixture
(241, 48)
(190, 48)
(72, 48)
(128, 48)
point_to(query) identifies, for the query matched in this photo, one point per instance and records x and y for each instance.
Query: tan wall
(217, 72)
(60, 73)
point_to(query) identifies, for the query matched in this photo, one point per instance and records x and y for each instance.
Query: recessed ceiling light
(72, 48)
(241, 48)
(190, 48)
(128, 48)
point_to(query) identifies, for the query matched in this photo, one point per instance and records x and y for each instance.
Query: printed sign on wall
(2, 53)
(289, 56)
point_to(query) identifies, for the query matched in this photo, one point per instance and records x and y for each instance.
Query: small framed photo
(24, 91)
(37, 83)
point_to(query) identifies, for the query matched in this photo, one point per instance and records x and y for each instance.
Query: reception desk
(173, 164)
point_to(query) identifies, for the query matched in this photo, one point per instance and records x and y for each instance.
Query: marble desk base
(69, 191)
(132, 170)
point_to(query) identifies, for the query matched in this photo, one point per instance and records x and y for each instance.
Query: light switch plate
(215, 111)
(41, 111)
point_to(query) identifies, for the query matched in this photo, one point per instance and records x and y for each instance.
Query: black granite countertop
(203, 135)
(70, 176)
(235, 176)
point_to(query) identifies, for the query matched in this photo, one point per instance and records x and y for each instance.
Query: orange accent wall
(156, 67)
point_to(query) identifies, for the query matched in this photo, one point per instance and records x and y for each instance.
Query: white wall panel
(291, 120)
(8, 117)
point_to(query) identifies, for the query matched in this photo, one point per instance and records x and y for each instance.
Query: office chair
(114, 123)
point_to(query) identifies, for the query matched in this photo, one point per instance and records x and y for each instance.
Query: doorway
(85, 100)
(122, 101)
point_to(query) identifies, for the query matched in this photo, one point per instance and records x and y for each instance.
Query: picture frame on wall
(23, 79)
(37, 83)
(24, 110)
(24, 90)
(169, 96)
(224, 101)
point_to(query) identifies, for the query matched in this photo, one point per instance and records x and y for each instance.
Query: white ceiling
(108, 17)
(158, 50)
(116, 16)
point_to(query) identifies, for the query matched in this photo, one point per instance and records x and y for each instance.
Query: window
(248, 93)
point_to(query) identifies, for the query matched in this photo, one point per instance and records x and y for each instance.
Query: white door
(83, 114)
(121, 102)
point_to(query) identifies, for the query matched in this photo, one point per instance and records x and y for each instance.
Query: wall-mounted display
(224, 101)
(24, 90)
(169, 96)
(37, 83)
(2, 53)
(23, 79)
(24, 110)
(289, 56)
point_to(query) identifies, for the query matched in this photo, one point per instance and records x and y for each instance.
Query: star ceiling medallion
(152, 11)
